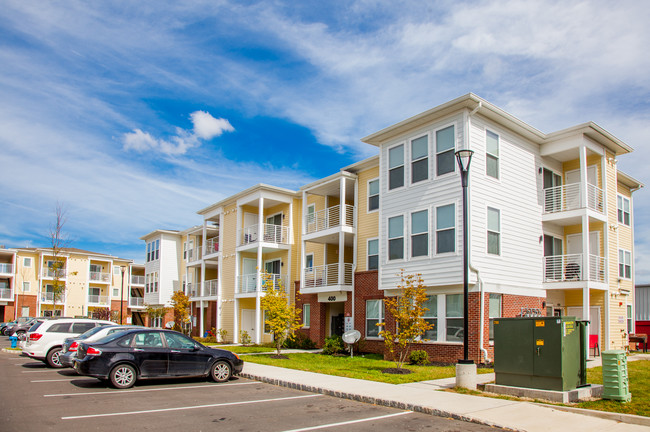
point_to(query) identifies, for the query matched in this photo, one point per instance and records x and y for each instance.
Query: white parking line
(55, 380)
(188, 407)
(38, 371)
(122, 392)
(349, 422)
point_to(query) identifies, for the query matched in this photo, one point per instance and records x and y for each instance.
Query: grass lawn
(368, 367)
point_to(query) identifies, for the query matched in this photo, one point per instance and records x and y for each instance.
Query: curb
(374, 400)
(10, 351)
(619, 417)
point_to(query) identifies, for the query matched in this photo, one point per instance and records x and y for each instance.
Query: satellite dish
(351, 336)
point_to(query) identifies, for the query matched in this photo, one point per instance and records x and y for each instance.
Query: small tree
(181, 305)
(282, 317)
(407, 312)
(58, 242)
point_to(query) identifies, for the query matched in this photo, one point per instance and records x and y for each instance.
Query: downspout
(471, 267)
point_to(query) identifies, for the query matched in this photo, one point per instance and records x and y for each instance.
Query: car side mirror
(195, 348)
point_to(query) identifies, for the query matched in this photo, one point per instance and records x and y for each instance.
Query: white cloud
(208, 127)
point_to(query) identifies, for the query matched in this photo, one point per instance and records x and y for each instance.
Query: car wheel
(53, 358)
(123, 376)
(221, 371)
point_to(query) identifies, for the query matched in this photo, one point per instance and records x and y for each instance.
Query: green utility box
(540, 352)
(615, 380)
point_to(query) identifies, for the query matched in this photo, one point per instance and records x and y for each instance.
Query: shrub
(244, 338)
(419, 357)
(299, 341)
(203, 340)
(223, 335)
(333, 345)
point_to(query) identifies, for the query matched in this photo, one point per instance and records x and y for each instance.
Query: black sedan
(128, 356)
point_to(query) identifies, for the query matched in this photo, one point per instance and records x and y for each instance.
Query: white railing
(327, 275)
(563, 268)
(193, 289)
(50, 273)
(247, 283)
(6, 268)
(48, 297)
(569, 197)
(6, 294)
(211, 287)
(329, 218)
(137, 280)
(194, 254)
(136, 301)
(100, 277)
(212, 246)
(272, 234)
(96, 299)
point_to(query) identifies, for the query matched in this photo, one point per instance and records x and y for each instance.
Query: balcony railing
(136, 302)
(567, 268)
(48, 297)
(100, 277)
(211, 288)
(329, 218)
(212, 246)
(327, 275)
(194, 254)
(247, 283)
(137, 280)
(95, 299)
(6, 268)
(50, 273)
(192, 289)
(6, 294)
(569, 197)
(271, 234)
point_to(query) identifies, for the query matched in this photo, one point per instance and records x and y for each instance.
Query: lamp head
(464, 157)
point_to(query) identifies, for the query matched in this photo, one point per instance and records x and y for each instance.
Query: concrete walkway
(423, 397)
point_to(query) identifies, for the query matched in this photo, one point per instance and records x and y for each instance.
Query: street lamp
(123, 268)
(464, 158)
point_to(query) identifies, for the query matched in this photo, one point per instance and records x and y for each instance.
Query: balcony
(50, 273)
(327, 276)
(194, 254)
(247, 283)
(100, 277)
(6, 268)
(211, 288)
(329, 218)
(211, 246)
(569, 197)
(137, 280)
(568, 268)
(97, 300)
(48, 297)
(193, 290)
(278, 234)
(136, 302)
(6, 294)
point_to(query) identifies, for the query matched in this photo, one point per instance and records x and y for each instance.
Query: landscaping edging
(7, 350)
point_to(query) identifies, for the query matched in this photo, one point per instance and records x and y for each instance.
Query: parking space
(34, 397)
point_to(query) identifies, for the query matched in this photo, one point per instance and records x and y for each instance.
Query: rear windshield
(36, 325)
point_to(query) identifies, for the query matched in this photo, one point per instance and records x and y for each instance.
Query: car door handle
(175, 351)
(138, 350)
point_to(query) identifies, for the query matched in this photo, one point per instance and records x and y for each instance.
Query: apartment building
(550, 232)
(93, 282)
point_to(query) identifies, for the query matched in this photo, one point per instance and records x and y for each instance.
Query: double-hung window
(148, 252)
(623, 210)
(494, 311)
(492, 154)
(374, 316)
(396, 167)
(420, 159)
(306, 315)
(445, 145)
(373, 195)
(27, 262)
(396, 238)
(420, 233)
(445, 229)
(454, 313)
(157, 249)
(431, 317)
(309, 262)
(493, 231)
(373, 254)
(624, 264)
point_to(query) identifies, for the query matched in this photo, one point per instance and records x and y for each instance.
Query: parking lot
(35, 397)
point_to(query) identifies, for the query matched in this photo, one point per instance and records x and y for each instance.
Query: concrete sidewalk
(422, 397)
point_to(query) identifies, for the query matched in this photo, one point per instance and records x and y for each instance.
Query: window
(396, 167)
(155, 282)
(396, 238)
(492, 154)
(27, 262)
(493, 231)
(445, 146)
(495, 303)
(116, 292)
(82, 327)
(373, 195)
(24, 311)
(420, 159)
(148, 252)
(374, 316)
(630, 320)
(148, 339)
(178, 341)
(454, 313)
(59, 327)
(445, 229)
(311, 218)
(157, 249)
(27, 286)
(623, 210)
(431, 316)
(309, 262)
(185, 250)
(373, 254)
(420, 233)
(267, 328)
(117, 270)
(624, 264)
(306, 315)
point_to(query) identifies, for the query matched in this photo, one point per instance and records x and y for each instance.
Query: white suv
(44, 342)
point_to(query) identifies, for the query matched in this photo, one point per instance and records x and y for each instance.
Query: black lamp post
(122, 294)
(464, 157)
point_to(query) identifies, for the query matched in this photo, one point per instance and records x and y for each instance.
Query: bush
(419, 357)
(333, 345)
(299, 341)
(244, 338)
(203, 340)
(223, 335)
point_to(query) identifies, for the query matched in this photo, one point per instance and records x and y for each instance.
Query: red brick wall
(23, 300)
(126, 312)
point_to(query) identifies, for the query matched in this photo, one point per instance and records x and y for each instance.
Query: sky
(134, 115)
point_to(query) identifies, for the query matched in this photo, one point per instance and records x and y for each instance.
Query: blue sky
(134, 115)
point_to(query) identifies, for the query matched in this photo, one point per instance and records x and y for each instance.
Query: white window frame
(382, 314)
(430, 315)
(413, 161)
(27, 286)
(487, 219)
(620, 210)
(436, 230)
(403, 237)
(307, 267)
(447, 317)
(492, 317)
(436, 153)
(625, 253)
(489, 155)
(412, 234)
(306, 315)
(311, 211)
(116, 290)
(368, 210)
(629, 318)
(27, 259)
(368, 253)
(403, 166)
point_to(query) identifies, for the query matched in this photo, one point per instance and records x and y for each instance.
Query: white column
(201, 319)
(258, 319)
(292, 244)
(235, 329)
(219, 267)
(341, 233)
(303, 251)
(258, 279)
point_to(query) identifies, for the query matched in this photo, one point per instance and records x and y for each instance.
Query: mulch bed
(397, 371)
(280, 357)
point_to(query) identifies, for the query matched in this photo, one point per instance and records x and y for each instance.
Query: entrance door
(273, 230)
(248, 322)
(248, 275)
(553, 266)
(336, 318)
